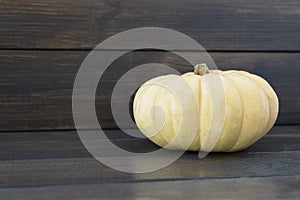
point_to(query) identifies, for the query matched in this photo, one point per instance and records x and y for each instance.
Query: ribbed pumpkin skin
(250, 105)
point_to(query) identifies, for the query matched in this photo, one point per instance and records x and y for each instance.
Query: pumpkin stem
(201, 69)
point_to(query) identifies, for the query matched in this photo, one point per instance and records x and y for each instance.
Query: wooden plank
(66, 144)
(42, 172)
(281, 187)
(36, 86)
(41, 162)
(217, 25)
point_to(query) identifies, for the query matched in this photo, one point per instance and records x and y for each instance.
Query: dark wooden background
(42, 45)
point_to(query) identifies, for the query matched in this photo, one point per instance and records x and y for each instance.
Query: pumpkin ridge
(262, 133)
(270, 96)
(196, 144)
(242, 118)
(166, 82)
(203, 133)
(242, 111)
(199, 110)
(237, 75)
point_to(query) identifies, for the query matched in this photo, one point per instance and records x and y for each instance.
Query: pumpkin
(244, 104)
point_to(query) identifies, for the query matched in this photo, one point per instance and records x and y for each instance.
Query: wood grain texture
(42, 45)
(217, 25)
(41, 172)
(53, 164)
(282, 187)
(66, 144)
(36, 86)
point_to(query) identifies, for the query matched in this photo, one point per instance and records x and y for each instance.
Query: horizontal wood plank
(66, 144)
(36, 86)
(282, 187)
(54, 164)
(42, 45)
(41, 172)
(217, 25)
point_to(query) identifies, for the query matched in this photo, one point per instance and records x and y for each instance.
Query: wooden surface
(42, 45)
(66, 144)
(217, 25)
(35, 164)
(248, 188)
(36, 86)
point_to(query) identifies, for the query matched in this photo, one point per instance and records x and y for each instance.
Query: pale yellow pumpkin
(244, 104)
